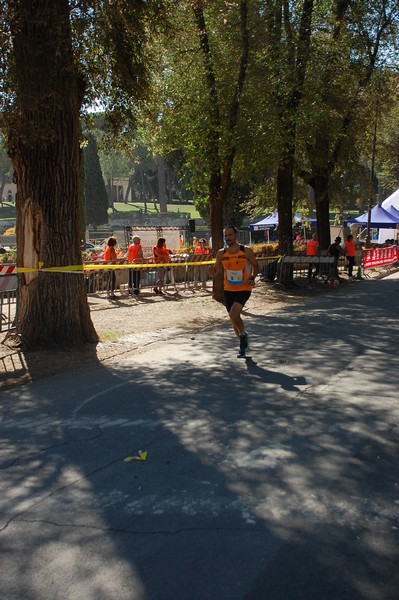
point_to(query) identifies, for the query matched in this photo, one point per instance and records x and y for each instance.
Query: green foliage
(174, 210)
(5, 164)
(112, 40)
(387, 151)
(193, 96)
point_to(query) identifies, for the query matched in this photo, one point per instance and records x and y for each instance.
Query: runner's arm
(214, 269)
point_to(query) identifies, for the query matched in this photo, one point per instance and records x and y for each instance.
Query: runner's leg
(235, 318)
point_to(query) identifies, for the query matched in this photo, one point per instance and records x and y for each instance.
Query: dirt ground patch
(128, 325)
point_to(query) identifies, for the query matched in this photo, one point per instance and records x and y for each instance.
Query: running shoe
(243, 343)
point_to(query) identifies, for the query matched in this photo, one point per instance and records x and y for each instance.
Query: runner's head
(230, 235)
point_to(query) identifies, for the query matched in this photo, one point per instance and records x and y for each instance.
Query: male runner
(240, 269)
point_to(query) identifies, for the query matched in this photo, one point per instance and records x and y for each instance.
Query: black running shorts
(239, 296)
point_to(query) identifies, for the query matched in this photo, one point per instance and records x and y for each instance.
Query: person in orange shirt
(161, 254)
(111, 253)
(350, 250)
(240, 268)
(135, 255)
(200, 272)
(312, 249)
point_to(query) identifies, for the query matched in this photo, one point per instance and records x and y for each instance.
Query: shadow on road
(274, 478)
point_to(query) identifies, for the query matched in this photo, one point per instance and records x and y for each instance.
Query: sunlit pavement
(272, 478)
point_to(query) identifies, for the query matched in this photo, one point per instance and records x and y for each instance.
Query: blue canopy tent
(272, 221)
(267, 223)
(379, 219)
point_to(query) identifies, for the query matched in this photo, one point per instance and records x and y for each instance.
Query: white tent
(392, 200)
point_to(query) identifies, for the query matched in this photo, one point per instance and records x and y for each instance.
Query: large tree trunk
(296, 54)
(318, 178)
(284, 204)
(43, 143)
(216, 213)
(320, 187)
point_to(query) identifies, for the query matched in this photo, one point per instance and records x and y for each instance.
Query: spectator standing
(350, 250)
(111, 253)
(200, 273)
(161, 254)
(135, 255)
(312, 249)
(335, 249)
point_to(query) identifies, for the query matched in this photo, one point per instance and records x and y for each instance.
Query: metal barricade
(181, 272)
(8, 297)
(297, 267)
(268, 267)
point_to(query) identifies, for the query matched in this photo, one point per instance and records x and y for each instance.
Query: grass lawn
(7, 211)
(172, 208)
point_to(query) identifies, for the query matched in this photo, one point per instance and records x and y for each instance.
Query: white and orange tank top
(237, 270)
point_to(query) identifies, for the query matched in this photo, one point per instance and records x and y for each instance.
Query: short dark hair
(112, 241)
(231, 227)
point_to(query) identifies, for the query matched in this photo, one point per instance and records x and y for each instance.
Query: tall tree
(96, 198)
(352, 45)
(46, 69)
(202, 77)
(289, 31)
(220, 159)
(43, 131)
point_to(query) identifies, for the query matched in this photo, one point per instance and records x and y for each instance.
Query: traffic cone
(359, 273)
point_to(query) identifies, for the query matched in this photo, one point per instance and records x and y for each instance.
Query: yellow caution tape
(102, 267)
(67, 269)
(87, 267)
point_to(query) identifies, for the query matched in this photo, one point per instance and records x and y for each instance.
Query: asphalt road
(275, 478)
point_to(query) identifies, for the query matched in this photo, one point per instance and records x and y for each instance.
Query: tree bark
(284, 204)
(320, 186)
(216, 213)
(43, 143)
(318, 179)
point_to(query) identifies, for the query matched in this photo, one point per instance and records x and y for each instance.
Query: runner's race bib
(234, 277)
